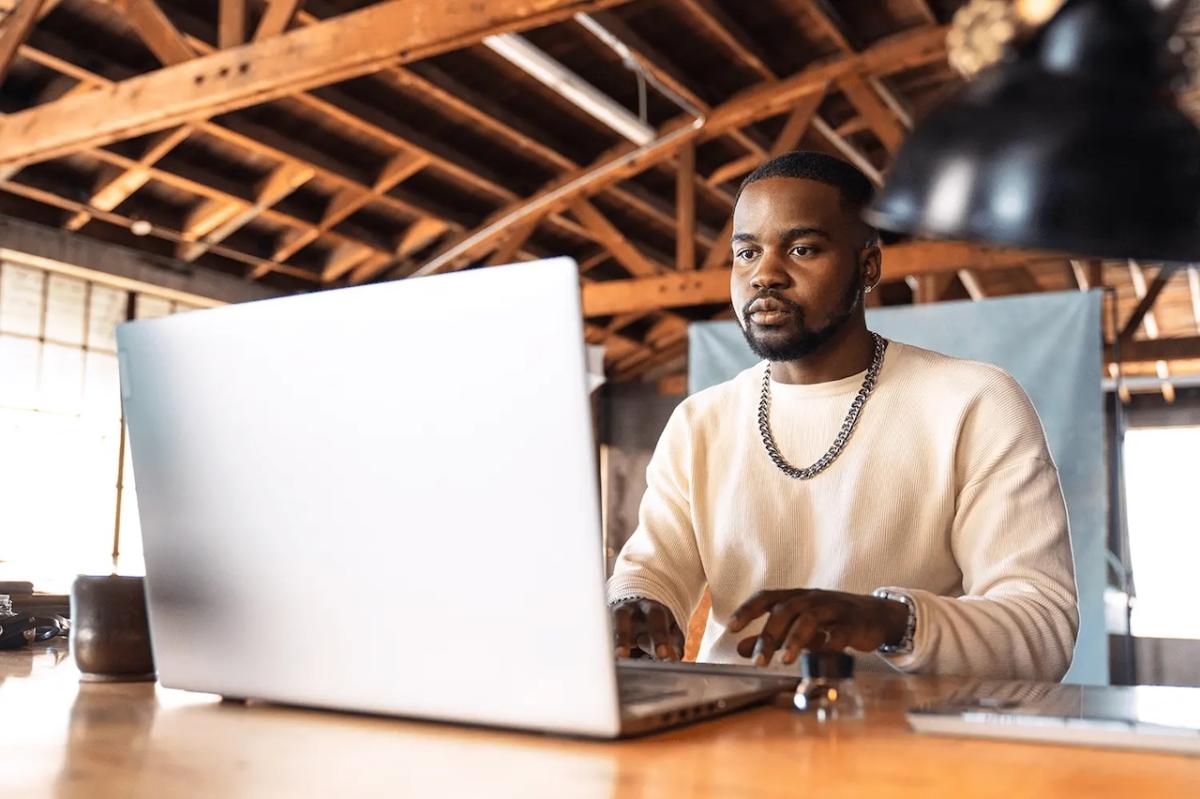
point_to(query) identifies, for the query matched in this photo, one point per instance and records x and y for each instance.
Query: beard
(795, 341)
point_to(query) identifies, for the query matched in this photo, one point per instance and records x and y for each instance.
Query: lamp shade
(1074, 144)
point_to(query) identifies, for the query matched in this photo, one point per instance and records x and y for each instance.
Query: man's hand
(646, 626)
(801, 618)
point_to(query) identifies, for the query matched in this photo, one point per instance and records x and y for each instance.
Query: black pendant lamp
(1075, 143)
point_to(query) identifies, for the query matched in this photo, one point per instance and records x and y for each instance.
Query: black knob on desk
(826, 665)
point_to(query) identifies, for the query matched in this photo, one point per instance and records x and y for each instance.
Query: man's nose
(769, 274)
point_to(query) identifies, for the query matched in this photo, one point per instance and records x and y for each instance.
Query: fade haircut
(855, 188)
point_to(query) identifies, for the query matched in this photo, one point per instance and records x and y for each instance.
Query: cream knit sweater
(945, 492)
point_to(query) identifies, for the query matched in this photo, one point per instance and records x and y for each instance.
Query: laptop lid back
(379, 498)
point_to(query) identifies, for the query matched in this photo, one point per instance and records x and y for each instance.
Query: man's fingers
(624, 635)
(658, 625)
(803, 631)
(776, 629)
(751, 609)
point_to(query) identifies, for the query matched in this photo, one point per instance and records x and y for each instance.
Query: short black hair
(856, 189)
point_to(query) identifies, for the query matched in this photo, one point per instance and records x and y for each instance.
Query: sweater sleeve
(1018, 616)
(661, 561)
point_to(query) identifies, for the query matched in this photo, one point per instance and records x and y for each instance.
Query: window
(1161, 468)
(60, 423)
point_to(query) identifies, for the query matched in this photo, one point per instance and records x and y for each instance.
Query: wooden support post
(685, 208)
(231, 26)
(930, 287)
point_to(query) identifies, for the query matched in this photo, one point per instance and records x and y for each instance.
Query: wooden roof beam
(607, 234)
(17, 26)
(729, 33)
(870, 106)
(1147, 297)
(848, 151)
(789, 136)
(758, 102)
(282, 181)
(157, 32)
(829, 21)
(341, 48)
(276, 19)
(218, 206)
(57, 201)
(419, 235)
(702, 287)
(121, 183)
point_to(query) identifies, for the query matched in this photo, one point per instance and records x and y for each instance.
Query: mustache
(771, 294)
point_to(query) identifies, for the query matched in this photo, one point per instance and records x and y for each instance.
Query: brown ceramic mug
(110, 635)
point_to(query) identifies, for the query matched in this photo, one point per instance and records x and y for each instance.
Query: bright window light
(1161, 467)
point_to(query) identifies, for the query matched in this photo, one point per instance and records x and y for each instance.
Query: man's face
(800, 259)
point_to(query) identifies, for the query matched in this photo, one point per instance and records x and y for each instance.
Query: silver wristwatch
(905, 646)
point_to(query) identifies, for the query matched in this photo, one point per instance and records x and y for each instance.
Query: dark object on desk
(827, 689)
(21, 629)
(110, 635)
(1073, 143)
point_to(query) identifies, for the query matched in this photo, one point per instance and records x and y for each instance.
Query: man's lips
(768, 312)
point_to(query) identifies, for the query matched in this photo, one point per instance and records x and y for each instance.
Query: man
(849, 492)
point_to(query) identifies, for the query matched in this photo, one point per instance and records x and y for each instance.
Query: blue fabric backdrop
(1051, 344)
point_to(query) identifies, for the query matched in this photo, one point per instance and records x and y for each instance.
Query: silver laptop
(384, 499)
(1130, 717)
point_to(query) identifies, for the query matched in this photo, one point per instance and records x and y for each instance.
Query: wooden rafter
(848, 151)
(158, 32)
(729, 33)
(17, 26)
(612, 238)
(282, 181)
(420, 234)
(789, 136)
(344, 47)
(830, 22)
(231, 25)
(119, 184)
(283, 150)
(344, 203)
(276, 19)
(759, 102)
(1146, 302)
(57, 201)
(870, 106)
(666, 72)
(218, 205)
(706, 287)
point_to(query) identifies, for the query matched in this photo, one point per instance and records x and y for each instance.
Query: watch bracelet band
(905, 646)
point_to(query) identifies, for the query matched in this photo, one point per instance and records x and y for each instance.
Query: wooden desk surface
(61, 738)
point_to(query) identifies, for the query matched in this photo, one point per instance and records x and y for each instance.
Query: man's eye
(803, 251)
(745, 255)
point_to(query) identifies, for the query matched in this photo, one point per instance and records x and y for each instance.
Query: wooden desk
(60, 738)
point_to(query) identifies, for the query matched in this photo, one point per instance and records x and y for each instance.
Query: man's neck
(847, 353)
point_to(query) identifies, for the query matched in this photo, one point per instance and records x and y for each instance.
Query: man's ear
(870, 265)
